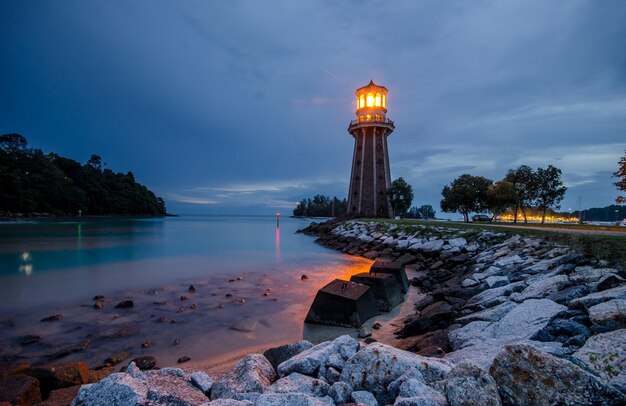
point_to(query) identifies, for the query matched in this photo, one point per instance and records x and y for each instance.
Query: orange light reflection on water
(277, 244)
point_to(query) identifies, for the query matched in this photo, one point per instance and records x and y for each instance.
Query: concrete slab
(394, 268)
(384, 286)
(343, 303)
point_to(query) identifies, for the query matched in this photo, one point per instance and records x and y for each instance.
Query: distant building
(370, 178)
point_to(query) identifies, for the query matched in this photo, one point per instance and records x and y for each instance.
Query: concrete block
(385, 288)
(343, 303)
(394, 268)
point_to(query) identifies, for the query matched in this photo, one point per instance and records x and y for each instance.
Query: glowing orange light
(362, 101)
(369, 100)
(377, 100)
(384, 101)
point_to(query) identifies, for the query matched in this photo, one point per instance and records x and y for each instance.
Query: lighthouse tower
(370, 178)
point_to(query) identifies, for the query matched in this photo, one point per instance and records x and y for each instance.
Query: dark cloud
(244, 105)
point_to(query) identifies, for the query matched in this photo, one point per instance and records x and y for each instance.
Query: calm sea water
(48, 261)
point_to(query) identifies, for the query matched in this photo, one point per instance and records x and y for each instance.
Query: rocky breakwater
(345, 371)
(547, 310)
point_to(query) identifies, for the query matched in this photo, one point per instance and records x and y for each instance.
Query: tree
(620, 174)
(549, 189)
(95, 163)
(401, 196)
(426, 211)
(466, 194)
(523, 180)
(501, 197)
(13, 143)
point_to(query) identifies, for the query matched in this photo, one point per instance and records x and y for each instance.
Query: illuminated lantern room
(371, 103)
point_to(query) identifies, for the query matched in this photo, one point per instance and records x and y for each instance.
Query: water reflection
(277, 243)
(26, 267)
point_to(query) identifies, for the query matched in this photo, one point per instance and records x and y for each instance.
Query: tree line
(520, 190)
(34, 182)
(321, 206)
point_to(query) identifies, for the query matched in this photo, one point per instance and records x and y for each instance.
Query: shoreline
(477, 296)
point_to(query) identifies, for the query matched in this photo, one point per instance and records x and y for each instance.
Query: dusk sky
(243, 106)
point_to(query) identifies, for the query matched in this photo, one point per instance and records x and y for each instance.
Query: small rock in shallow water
(183, 298)
(176, 341)
(228, 295)
(99, 304)
(240, 278)
(220, 306)
(162, 319)
(183, 359)
(29, 339)
(98, 297)
(54, 317)
(304, 277)
(240, 301)
(117, 358)
(192, 289)
(145, 363)
(125, 304)
(145, 344)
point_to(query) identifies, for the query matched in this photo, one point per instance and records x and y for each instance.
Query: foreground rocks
(374, 374)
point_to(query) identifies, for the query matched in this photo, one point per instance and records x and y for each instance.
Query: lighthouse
(370, 178)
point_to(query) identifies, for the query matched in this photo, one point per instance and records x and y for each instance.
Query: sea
(253, 279)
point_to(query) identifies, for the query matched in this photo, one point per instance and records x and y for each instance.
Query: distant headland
(35, 184)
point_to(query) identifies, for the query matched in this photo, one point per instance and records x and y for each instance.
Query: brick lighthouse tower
(370, 178)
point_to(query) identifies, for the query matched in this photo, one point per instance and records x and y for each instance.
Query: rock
(468, 384)
(61, 397)
(289, 399)
(59, 376)
(376, 326)
(54, 317)
(19, 390)
(374, 367)
(183, 359)
(278, 355)
(125, 304)
(568, 294)
(599, 297)
(496, 281)
(306, 362)
(469, 283)
(253, 373)
(589, 274)
(610, 315)
(145, 363)
(543, 288)
(609, 281)
(492, 314)
(117, 358)
(508, 261)
(116, 389)
(431, 246)
(29, 339)
(470, 334)
(340, 392)
(192, 289)
(228, 402)
(304, 277)
(490, 297)
(364, 398)
(563, 329)
(527, 375)
(457, 242)
(145, 344)
(606, 355)
(299, 383)
(364, 332)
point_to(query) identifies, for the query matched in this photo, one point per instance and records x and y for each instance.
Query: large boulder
(610, 315)
(470, 385)
(116, 389)
(606, 354)
(542, 288)
(278, 355)
(377, 365)
(529, 376)
(253, 374)
(327, 354)
(492, 314)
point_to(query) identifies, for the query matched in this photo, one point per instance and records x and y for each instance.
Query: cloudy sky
(243, 106)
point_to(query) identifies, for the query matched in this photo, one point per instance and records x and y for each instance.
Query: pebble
(183, 359)
(125, 304)
(183, 298)
(176, 341)
(192, 289)
(145, 344)
(54, 317)
(304, 277)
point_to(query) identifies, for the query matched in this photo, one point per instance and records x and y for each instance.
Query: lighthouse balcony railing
(386, 121)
